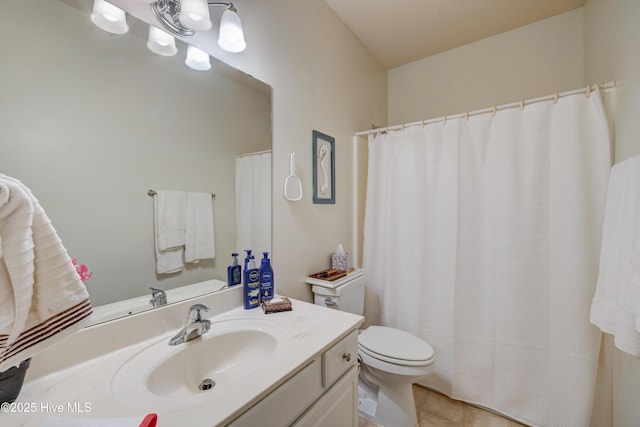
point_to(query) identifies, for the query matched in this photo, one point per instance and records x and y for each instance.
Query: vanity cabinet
(323, 393)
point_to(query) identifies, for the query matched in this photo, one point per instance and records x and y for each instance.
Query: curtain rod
(253, 154)
(521, 104)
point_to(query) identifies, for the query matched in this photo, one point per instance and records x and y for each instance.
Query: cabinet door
(338, 407)
(285, 404)
(339, 358)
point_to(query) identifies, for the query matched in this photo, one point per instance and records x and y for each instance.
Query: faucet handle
(156, 291)
(194, 312)
(158, 297)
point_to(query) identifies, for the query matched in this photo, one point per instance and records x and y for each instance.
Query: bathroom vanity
(289, 368)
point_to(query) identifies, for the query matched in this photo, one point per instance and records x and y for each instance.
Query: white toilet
(391, 359)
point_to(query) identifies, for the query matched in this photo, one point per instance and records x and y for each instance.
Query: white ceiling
(401, 31)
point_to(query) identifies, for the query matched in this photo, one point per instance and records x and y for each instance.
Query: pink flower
(82, 270)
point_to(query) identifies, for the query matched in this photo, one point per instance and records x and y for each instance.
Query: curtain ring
(466, 115)
(522, 104)
(588, 91)
(494, 110)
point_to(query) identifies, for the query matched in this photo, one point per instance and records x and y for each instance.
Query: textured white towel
(42, 298)
(616, 305)
(170, 209)
(200, 243)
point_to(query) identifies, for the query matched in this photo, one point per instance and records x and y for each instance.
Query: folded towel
(170, 209)
(199, 242)
(42, 298)
(148, 421)
(615, 308)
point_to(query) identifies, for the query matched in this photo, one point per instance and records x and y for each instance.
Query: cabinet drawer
(339, 358)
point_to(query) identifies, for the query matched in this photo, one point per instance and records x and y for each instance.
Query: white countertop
(83, 390)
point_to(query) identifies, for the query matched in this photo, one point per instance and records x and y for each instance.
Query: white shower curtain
(482, 237)
(253, 203)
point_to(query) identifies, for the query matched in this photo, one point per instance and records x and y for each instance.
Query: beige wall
(535, 60)
(612, 36)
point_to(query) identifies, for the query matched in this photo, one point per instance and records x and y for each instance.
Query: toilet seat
(395, 346)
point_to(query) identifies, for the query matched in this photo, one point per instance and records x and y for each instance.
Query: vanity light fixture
(109, 17)
(185, 17)
(161, 42)
(197, 59)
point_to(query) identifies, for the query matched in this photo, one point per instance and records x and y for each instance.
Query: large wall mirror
(90, 122)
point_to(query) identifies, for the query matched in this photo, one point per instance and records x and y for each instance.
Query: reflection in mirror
(91, 121)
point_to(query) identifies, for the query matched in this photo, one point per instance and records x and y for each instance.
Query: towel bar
(153, 193)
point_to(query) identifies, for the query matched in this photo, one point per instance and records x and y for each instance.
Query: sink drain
(206, 384)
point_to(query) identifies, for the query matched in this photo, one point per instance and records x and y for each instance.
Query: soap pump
(247, 258)
(266, 278)
(234, 275)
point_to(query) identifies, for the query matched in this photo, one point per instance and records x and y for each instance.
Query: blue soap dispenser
(234, 275)
(266, 278)
(251, 285)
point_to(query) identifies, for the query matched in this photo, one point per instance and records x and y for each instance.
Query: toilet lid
(394, 344)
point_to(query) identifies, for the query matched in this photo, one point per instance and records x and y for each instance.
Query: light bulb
(197, 59)
(161, 42)
(194, 15)
(231, 36)
(109, 17)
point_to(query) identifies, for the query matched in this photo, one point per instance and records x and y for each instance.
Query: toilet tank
(345, 294)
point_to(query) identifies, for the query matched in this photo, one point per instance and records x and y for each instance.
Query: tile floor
(437, 410)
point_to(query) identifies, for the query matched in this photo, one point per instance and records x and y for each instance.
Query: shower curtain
(482, 237)
(253, 203)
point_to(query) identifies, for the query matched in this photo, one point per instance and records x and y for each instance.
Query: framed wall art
(324, 169)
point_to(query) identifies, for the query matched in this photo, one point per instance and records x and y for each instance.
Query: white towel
(616, 305)
(200, 239)
(170, 209)
(42, 298)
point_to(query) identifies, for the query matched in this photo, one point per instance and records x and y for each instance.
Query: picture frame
(324, 170)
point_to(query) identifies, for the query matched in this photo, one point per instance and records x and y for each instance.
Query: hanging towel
(615, 308)
(42, 298)
(170, 209)
(200, 242)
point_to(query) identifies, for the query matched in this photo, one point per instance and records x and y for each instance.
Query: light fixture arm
(168, 13)
(222, 3)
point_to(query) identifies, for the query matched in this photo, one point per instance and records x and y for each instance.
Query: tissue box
(341, 261)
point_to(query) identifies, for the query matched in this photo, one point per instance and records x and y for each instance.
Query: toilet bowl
(391, 359)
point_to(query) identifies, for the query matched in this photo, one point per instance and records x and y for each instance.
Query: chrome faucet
(158, 297)
(195, 326)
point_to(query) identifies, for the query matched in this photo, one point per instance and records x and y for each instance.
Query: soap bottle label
(266, 285)
(252, 289)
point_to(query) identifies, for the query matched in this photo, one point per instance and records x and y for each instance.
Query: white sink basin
(230, 354)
